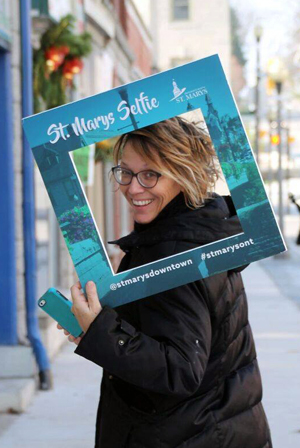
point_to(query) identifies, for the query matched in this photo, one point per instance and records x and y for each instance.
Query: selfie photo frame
(202, 84)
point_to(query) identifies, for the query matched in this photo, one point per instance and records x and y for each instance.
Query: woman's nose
(135, 187)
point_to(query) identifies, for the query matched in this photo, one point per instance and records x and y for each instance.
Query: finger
(59, 327)
(92, 296)
(71, 338)
(66, 332)
(77, 294)
(77, 340)
(78, 285)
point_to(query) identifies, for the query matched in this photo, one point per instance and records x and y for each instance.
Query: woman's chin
(143, 218)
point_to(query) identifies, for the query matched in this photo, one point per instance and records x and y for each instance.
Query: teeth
(141, 202)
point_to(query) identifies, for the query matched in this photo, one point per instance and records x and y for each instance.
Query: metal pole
(270, 172)
(280, 176)
(288, 155)
(257, 100)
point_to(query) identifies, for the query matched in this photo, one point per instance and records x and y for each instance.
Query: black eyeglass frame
(158, 175)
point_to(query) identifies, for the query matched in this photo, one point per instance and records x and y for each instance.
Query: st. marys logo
(181, 95)
(177, 92)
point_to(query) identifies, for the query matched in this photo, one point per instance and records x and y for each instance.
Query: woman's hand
(71, 338)
(84, 310)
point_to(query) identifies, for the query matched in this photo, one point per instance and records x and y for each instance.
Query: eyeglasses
(146, 178)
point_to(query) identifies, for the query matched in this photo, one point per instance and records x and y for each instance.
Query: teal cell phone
(59, 307)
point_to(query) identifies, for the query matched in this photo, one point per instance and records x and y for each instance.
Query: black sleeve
(170, 357)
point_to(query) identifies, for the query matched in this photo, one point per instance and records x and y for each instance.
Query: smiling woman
(180, 367)
(177, 149)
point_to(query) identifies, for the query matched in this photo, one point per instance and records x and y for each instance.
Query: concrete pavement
(275, 321)
(65, 416)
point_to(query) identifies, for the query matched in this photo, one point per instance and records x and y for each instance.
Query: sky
(277, 18)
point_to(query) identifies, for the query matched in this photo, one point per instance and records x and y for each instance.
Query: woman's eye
(124, 172)
(149, 174)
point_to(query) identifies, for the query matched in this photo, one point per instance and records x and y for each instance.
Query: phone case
(59, 308)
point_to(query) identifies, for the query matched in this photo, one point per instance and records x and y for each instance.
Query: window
(180, 9)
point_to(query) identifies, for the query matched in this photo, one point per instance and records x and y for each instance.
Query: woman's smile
(142, 202)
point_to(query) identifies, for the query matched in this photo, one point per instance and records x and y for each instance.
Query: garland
(56, 62)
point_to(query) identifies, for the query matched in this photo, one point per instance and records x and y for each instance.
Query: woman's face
(157, 197)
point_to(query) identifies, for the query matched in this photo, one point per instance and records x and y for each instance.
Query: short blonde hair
(179, 150)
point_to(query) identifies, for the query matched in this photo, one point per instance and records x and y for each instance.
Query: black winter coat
(180, 368)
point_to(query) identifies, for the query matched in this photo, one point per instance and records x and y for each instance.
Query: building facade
(186, 30)
(33, 255)
(21, 349)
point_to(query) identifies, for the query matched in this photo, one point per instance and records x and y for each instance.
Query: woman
(180, 367)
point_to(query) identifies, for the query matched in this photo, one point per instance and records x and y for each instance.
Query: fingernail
(90, 284)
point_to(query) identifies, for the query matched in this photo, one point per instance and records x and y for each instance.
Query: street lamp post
(280, 175)
(258, 33)
(271, 119)
(277, 72)
(288, 152)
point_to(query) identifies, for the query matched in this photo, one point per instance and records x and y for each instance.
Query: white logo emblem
(177, 91)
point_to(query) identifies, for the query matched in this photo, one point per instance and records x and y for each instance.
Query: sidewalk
(64, 417)
(275, 321)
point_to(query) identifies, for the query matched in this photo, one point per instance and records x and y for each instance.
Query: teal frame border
(202, 84)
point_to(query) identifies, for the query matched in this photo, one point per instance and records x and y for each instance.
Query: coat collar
(215, 220)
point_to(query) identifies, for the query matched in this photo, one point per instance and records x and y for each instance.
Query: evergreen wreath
(56, 62)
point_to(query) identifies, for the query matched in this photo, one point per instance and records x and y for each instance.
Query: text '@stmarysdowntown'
(179, 265)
